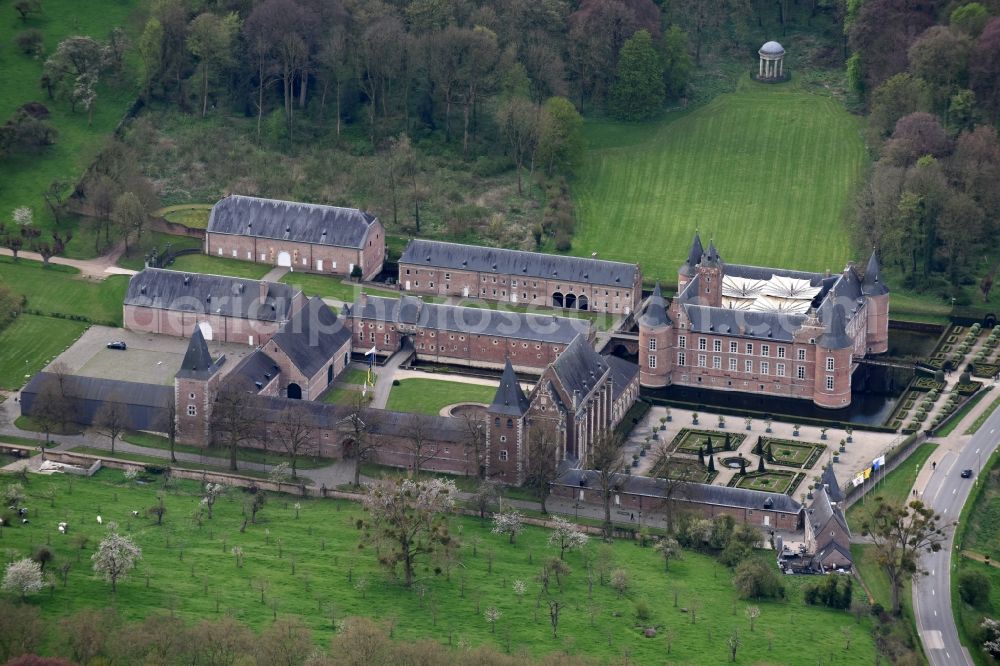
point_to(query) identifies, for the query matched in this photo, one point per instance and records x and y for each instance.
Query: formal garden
(693, 441)
(788, 453)
(681, 469)
(772, 481)
(215, 552)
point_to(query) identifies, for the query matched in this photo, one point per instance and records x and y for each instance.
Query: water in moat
(875, 389)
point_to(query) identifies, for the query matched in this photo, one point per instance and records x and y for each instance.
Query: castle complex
(770, 331)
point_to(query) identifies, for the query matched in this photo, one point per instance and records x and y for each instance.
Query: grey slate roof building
(873, 285)
(413, 311)
(656, 310)
(509, 398)
(145, 405)
(197, 362)
(579, 368)
(439, 254)
(290, 221)
(832, 486)
(623, 373)
(200, 293)
(254, 372)
(312, 336)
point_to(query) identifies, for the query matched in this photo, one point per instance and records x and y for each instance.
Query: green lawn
(896, 485)
(193, 216)
(601, 321)
(60, 289)
(772, 481)
(29, 343)
(981, 419)
(341, 395)
(689, 440)
(26, 176)
(328, 286)
(200, 263)
(353, 376)
(190, 571)
(428, 396)
(137, 257)
(163, 462)
(244, 454)
(750, 163)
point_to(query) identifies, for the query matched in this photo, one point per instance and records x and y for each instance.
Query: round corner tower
(834, 361)
(655, 343)
(877, 297)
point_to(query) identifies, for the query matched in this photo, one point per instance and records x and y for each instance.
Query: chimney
(828, 272)
(264, 287)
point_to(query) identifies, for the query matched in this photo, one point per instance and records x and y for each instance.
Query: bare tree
(360, 427)
(542, 464)
(168, 425)
(733, 643)
(475, 430)
(296, 431)
(48, 409)
(111, 419)
(420, 440)
(608, 460)
(234, 420)
(674, 476)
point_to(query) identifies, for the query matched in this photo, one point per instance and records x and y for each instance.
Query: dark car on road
(117, 344)
(966, 473)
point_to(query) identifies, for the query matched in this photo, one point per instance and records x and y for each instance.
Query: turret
(655, 342)
(877, 297)
(195, 385)
(687, 270)
(506, 448)
(710, 270)
(834, 361)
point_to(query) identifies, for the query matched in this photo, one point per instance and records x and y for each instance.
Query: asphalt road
(946, 492)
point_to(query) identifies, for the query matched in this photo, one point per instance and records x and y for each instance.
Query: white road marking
(945, 511)
(947, 654)
(933, 592)
(935, 613)
(954, 491)
(977, 450)
(993, 431)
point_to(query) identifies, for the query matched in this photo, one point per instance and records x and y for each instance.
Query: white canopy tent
(777, 294)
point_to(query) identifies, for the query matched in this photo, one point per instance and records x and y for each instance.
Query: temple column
(760, 69)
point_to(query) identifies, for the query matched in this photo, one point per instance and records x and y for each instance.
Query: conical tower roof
(835, 329)
(197, 359)
(509, 398)
(656, 311)
(872, 284)
(694, 256)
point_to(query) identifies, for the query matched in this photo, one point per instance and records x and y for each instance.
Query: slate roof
(209, 294)
(145, 404)
(821, 512)
(780, 326)
(656, 311)
(438, 254)
(622, 374)
(509, 399)
(872, 284)
(579, 368)
(312, 337)
(741, 498)
(257, 367)
(835, 335)
(290, 221)
(833, 488)
(473, 321)
(694, 256)
(829, 549)
(197, 363)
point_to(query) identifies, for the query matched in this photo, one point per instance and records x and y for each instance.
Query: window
(682, 341)
(750, 348)
(800, 372)
(503, 455)
(829, 383)
(717, 362)
(447, 276)
(234, 253)
(829, 364)
(702, 361)
(716, 345)
(732, 347)
(652, 361)
(430, 284)
(779, 369)
(191, 396)
(781, 352)
(765, 368)
(681, 360)
(748, 366)
(732, 364)
(765, 350)
(192, 410)
(652, 344)
(386, 338)
(510, 423)
(801, 355)
(496, 422)
(702, 344)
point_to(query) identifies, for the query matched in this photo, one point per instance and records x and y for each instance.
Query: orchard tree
(567, 536)
(510, 523)
(900, 534)
(213, 491)
(669, 549)
(487, 496)
(23, 577)
(116, 556)
(407, 519)
(637, 93)
(74, 68)
(26, 7)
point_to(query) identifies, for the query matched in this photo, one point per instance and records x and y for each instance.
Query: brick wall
(305, 257)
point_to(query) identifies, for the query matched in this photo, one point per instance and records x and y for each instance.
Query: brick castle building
(769, 331)
(304, 237)
(512, 276)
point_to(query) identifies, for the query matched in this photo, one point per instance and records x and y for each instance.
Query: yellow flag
(868, 472)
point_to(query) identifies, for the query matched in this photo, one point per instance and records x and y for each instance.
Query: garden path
(96, 268)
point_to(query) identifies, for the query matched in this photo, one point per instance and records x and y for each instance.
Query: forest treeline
(928, 72)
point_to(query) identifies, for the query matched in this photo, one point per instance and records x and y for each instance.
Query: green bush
(974, 588)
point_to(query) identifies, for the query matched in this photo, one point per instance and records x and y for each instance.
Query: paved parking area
(153, 359)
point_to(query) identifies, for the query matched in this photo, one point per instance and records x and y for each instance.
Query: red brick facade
(251, 332)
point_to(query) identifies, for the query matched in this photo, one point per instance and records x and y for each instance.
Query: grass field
(200, 263)
(749, 163)
(327, 286)
(793, 454)
(428, 396)
(244, 454)
(341, 395)
(60, 289)
(25, 176)
(193, 216)
(689, 440)
(137, 257)
(29, 343)
(188, 569)
(981, 419)
(896, 485)
(773, 481)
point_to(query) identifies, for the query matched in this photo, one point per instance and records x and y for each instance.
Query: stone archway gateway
(294, 391)
(284, 259)
(772, 62)
(557, 300)
(570, 302)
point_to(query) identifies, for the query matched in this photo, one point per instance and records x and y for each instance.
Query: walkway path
(98, 268)
(275, 274)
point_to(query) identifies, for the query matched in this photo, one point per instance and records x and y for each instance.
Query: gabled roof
(780, 326)
(742, 498)
(833, 488)
(509, 399)
(872, 284)
(656, 311)
(438, 254)
(468, 320)
(209, 294)
(145, 404)
(290, 221)
(312, 337)
(579, 368)
(821, 512)
(622, 374)
(256, 368)
(197, 363)
(829, 549)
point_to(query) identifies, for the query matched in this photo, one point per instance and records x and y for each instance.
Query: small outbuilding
(772, 62)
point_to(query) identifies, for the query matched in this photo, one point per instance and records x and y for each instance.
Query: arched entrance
(329, 374)
(570, 301)
(557, 300)
(989, 321)
(294, 391)
(206, 329)
(582, 303)
(284, 259)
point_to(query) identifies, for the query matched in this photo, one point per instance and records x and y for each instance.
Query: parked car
(966, 473)
(117, 344)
